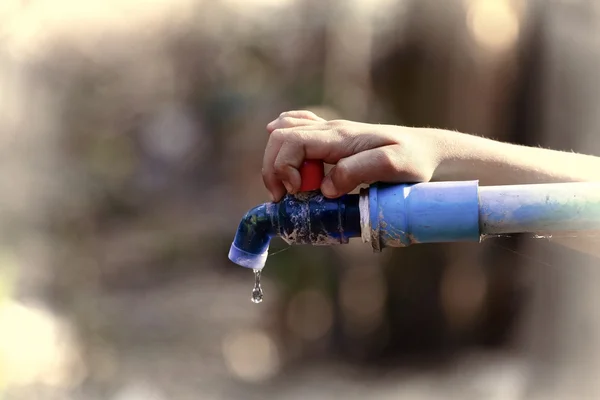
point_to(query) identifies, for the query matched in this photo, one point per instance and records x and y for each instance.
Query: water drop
(257, 293)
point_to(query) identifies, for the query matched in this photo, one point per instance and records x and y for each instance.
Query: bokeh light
(251, 355)
(494, 24)
(36, 347)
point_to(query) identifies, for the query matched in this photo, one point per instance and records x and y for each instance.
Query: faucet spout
(251, 243)
(306, 218)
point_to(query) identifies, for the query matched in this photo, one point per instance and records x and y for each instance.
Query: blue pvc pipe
(401, 215)
(388, 215)
(541, 208)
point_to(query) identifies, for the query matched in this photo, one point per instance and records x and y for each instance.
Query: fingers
(329, 142)
(273, 184)
(291, 119)
(283, 155)
(380, 164)
(286, 164)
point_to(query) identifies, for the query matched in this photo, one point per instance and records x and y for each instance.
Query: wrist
(448, 153)
(461, 156)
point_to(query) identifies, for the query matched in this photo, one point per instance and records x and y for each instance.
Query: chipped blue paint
(401, 215)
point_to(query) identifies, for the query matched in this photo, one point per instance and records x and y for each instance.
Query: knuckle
(294, 136)
(280, 168)
(265, 172)
(342, 128)
(387, 160)
(291, 113)
(287, 122)
(343, 173)
(336, 123)
(280, 165)
(278, 134)
(283, 135)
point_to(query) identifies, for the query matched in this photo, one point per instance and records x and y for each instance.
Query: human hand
(360, 152)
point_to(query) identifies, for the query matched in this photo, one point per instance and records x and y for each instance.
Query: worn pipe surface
(432, 212)
(540, 208)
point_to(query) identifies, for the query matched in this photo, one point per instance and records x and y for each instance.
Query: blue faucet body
(307, 218)
(388, 215)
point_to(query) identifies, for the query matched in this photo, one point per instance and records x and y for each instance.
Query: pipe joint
(395, 215)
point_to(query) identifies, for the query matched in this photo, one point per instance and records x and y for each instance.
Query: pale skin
(365, 153)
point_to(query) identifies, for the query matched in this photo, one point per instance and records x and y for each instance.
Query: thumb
(380, 164)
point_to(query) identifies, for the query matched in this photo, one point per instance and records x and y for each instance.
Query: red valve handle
(311, 173)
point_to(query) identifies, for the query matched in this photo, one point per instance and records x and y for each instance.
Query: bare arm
(465, 157)
(366, 153)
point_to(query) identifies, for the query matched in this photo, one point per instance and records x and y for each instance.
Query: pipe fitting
(395, 215)
(306, 218)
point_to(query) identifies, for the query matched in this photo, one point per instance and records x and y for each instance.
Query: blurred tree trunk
(444, 75)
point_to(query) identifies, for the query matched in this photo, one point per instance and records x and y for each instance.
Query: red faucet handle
(311, 173)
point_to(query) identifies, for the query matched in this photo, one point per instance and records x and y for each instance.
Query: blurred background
(131, 140)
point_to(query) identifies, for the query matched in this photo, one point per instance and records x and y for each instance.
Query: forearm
(466, 157)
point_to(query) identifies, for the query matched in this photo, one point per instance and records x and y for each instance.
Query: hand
(361, 153)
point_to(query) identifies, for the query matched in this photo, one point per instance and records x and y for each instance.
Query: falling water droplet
(257, 293)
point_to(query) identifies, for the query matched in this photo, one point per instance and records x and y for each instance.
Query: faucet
(399, 215)
(305, 218)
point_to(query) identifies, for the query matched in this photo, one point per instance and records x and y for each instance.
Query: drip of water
(257, 293)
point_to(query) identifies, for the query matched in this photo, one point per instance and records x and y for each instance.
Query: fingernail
(327, 187)
(288, 186)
